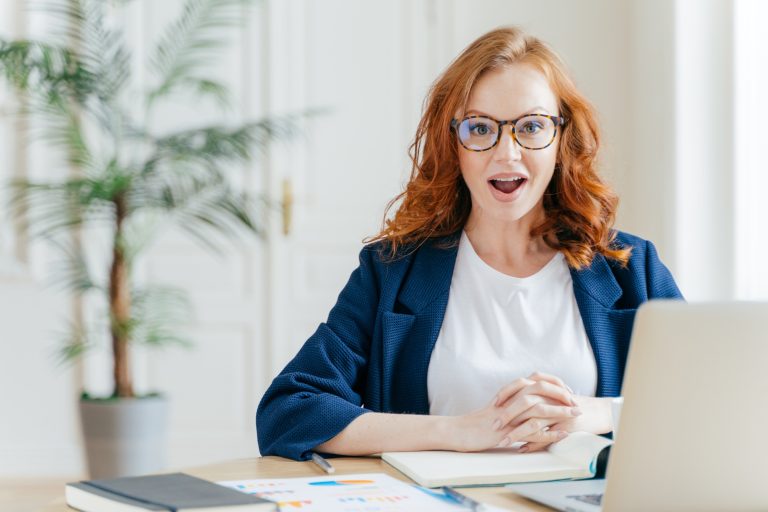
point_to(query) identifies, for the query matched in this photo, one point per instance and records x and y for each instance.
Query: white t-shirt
(498, 328)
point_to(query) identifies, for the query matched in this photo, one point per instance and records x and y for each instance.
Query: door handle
(287, 206)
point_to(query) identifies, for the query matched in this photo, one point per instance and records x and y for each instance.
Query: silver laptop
(694, 425)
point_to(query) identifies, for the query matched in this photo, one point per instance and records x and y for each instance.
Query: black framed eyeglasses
(531, 131)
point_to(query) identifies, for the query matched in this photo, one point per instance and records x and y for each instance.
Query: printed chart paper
(371, 492)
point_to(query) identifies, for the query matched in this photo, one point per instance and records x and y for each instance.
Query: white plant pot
(124, 437)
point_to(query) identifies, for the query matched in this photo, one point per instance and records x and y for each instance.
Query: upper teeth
(508, 179)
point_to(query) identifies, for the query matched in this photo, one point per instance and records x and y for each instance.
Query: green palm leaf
(99, 48)
(190, 44)
(61, 127)
(73, 273)
(75, 343)
(200, 200)
(53, 207)
(158, 314)
(52, 73)
(217, 143)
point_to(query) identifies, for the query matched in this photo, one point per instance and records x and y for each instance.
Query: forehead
(512, 91)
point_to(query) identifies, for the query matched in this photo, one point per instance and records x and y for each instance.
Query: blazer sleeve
(660, 283)
(320, 392)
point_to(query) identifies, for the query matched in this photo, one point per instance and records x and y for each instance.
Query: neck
(508, 243)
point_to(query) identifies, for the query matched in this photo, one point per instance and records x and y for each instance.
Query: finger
(550, 390)
(530, 396)
(546, 436)
(531, 428)
(545, 410)
(510, 390)
(508, 417)
(533, 447)
(538, 376)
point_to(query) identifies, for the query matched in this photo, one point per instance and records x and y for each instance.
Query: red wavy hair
(579, 207)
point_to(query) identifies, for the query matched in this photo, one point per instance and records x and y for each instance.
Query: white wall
(751, 180)
(705, 162)
(649, 186)
(370, 60)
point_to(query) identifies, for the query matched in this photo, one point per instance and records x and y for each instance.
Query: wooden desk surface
(276, 467)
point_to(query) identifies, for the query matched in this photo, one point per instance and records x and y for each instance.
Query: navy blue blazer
(373, 352)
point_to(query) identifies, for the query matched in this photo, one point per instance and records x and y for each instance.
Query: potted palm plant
(126, 181)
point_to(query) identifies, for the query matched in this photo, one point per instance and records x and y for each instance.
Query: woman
(496, 305)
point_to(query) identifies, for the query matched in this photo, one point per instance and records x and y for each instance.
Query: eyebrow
(530, 111)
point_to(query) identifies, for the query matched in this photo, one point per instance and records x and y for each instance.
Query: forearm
(375, 432)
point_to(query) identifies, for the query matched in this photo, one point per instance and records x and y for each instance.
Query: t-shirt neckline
(525, 282)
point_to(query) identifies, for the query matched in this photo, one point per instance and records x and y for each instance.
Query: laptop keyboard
(592, 499)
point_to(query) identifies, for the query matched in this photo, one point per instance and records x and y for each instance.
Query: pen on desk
(324, 464)
(464, 500)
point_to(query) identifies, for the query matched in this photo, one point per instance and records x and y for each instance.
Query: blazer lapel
(598, 282)
(420, 308)
(596, 291)
(430, 275)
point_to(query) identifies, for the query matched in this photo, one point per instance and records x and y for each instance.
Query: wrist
(445, 433)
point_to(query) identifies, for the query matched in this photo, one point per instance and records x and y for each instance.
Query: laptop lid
(695, 417)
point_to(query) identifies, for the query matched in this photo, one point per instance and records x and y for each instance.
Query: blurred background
(678, 86)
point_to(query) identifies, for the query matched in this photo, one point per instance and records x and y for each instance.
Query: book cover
(170, 492)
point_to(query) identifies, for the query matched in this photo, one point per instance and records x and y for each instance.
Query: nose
(507, 149)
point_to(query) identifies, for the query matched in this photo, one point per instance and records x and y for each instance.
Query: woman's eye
(531, 128)
(480, 129)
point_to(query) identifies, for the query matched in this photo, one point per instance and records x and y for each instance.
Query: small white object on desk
(324, 464)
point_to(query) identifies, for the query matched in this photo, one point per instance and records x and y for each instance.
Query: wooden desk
(276, 467)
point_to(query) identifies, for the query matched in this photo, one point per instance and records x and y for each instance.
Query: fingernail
(569, 389)
(504, 442)
(576, 411)
(497, 425)
(562, 434)
(522, 449)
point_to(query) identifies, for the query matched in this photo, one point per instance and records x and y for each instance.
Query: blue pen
(462, 499)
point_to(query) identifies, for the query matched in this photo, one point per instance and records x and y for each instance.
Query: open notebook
(572, 458)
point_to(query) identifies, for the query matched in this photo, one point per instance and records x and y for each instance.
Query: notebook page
(435, 468)
(580, 448)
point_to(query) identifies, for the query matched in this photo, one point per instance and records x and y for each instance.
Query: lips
(507, 185)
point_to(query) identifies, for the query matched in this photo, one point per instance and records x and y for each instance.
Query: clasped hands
(537, 410)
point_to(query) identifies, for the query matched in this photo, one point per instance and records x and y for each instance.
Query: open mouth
(507, 185)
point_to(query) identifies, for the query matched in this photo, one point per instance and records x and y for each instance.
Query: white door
(368, 64)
